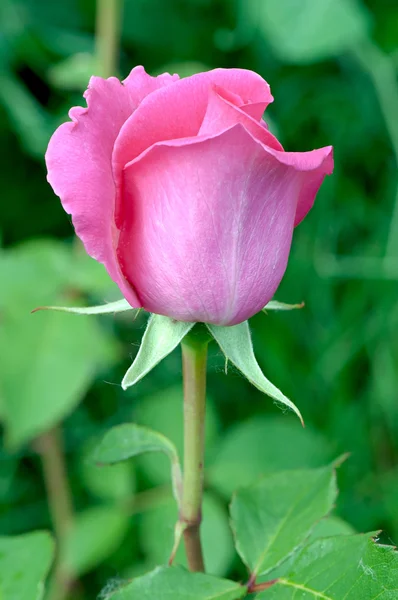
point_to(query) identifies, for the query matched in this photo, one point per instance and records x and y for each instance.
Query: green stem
(49, 446)
(109, 14)
(194, 357)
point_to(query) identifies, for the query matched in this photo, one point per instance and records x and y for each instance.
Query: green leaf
(157, 534)
(48, 363)
(236, 343)
(275, 516)
(125, 441)
(302, 31)
(175, 583)
(257, 447)
(163, 412)
(128, 440)
(331, 526)
(44, 270)
(48, 360)
(275, 305)
(115, 482)
(103, 309)
(328, 527)
(24, 563)
(96, 534)
(30, 272)
(161, 336)
(349, 567)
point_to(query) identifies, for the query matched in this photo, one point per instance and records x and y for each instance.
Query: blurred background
(332, 67)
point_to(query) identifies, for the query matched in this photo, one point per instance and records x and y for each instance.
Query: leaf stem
(194, 358)
(50, 448)
(253, 587)
(108, 22)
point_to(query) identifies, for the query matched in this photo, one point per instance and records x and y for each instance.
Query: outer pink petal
(208, 225)
(177, 111)
(79, 163)
(312, 184)
(221, 114)
(253, 110)
(139, 84)
(315, 164)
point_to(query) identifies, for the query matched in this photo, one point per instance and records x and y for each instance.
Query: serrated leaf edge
(254, 573)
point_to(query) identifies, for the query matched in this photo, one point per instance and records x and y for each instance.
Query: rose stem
(107, 35)
(50, 448)
(194, 357)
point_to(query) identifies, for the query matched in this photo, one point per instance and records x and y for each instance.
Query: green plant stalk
(194, 358)
(108, 21)
(50, 448)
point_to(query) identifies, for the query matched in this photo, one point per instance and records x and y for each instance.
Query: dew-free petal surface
(177, 111)
(79, 163)
(221, 114)
(208, 224)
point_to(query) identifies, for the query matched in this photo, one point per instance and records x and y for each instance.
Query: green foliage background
(332, 67)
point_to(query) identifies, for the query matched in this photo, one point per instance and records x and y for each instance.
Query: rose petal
(177, 111)
(221, 114)
(79, 163)
(313, 182)
(316, 164)
(253, 110)
(140, 84)
(208, 225)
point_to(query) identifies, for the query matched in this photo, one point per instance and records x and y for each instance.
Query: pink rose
(180, 190)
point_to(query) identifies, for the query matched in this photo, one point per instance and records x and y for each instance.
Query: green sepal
(235, 341)
(161, 336)
(103, 309)
(275, 305)
(128, 440)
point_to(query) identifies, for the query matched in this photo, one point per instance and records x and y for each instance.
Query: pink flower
(178, 187)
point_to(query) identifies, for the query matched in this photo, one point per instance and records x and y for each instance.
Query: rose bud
(181, 191)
